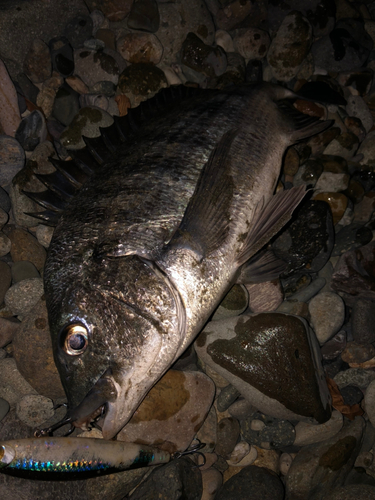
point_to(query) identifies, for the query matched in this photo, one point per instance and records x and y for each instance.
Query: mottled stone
(140, 48)
(255, 353)
(32, 350)
(87, 122)
(32, 131)
(327, 311)
(202, 58)
(172, 412)
(290, 46)
(357, 353)
(309, 240)
(267, 432)
(44, 234)
(141, 80)
(234, 303)
(321, 466)
(257, 483)
(252, 43)
(363, 320)
(354, 376)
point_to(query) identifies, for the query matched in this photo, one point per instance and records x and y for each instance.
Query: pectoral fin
(264, 266)
(205, 224)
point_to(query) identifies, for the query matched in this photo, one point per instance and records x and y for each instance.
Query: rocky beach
(280, 384)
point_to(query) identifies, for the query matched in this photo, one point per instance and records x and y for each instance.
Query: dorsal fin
(70, 175)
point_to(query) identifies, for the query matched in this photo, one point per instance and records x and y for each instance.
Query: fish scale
(144, 252)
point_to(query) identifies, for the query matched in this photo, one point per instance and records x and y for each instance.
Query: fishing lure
(66, 455)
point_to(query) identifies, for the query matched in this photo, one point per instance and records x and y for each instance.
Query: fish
(156, 220)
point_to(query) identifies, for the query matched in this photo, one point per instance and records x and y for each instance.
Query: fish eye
(75, 339)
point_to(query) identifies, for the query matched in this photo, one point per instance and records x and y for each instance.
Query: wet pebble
(351, 395)
(226, 397)
(32, 131)
(12, 159)
(228, 432)
(306, 434)
(267, 432)
(363, 320)
(12, 385)
(253, 482)
(140, 48)
(252, 43)
(23, 270)
(5, 244)
(327, 311)
(5, 279)
(212, 480)
(354, 376)
(233, 304)
(26, 247)
(8, 330)
(37, 65)
(23, 296)
(357, 353)
(34, 409)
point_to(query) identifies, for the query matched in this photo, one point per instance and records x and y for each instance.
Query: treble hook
(194, 449)
(48, 431)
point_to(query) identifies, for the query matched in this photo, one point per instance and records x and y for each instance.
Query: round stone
(23, 296)
(327, 312)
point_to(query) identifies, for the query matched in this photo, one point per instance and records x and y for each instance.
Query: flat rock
(255, 352)
(34, 409)
(172, 412)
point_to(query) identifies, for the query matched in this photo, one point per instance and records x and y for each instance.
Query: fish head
(116, 328)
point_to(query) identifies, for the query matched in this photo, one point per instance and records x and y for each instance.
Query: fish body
(76, 455)
(145, 251)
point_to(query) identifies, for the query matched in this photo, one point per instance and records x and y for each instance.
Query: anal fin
(268, 220)
(264, 266)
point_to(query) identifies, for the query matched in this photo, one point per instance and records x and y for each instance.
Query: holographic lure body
(64, 455)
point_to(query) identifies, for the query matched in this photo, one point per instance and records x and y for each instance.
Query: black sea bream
(144, 252)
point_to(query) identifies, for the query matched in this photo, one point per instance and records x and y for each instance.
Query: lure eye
(76, 339)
